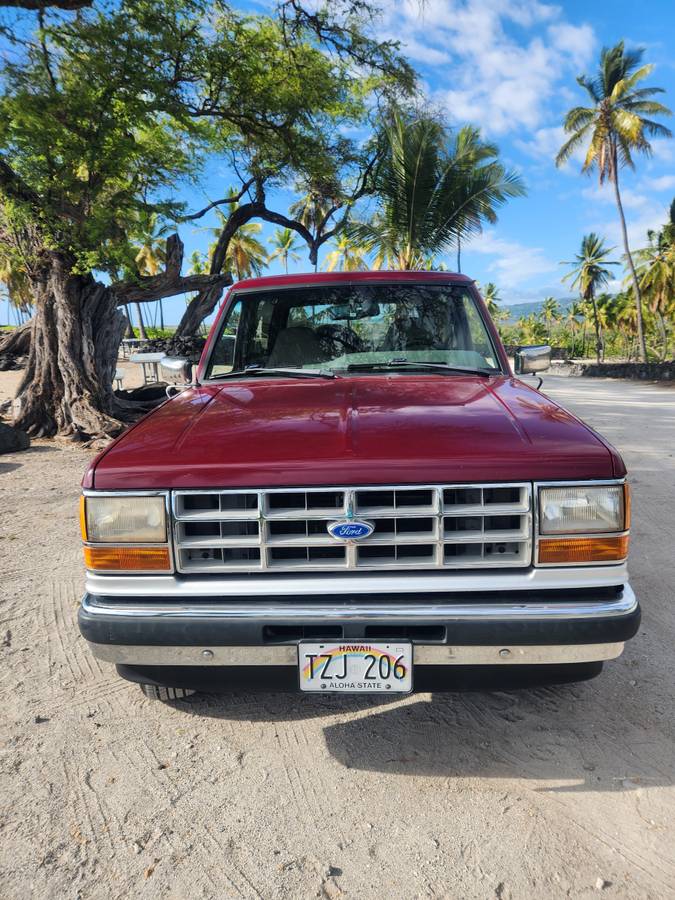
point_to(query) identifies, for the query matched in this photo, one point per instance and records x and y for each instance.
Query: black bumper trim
(228, 679)
(102, 627)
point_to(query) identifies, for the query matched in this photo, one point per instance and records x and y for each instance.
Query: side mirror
(176, 367)
(532, 359)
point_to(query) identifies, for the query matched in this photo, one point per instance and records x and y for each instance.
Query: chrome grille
(416, 527)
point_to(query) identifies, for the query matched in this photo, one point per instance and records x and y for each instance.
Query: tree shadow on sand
(572, 733)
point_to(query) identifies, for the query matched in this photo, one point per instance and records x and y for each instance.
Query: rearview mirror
(177, 366)
(533, 359)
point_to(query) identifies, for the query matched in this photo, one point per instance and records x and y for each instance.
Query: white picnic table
(150, 363)
(129, 344)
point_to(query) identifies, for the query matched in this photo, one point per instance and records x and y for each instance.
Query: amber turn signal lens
(83, 517)
(128, 559)
(626, 506)
(583, 550)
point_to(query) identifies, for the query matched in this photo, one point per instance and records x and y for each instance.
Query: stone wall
(653, 371)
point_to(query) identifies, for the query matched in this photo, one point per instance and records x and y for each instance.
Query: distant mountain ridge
(521, 310)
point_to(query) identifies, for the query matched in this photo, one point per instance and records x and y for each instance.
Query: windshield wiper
(289, 373)
(442, 368)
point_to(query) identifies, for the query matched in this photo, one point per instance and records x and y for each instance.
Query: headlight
(589, 509)
(124, 520)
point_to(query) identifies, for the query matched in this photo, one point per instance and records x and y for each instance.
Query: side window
(261, 338)
(479, 337)
(222, 358)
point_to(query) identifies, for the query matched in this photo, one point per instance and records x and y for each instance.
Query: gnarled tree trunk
(74, 340)
(15, 343)
(76, 331)
(201, 306)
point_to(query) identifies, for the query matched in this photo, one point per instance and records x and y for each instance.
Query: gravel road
(564, 792)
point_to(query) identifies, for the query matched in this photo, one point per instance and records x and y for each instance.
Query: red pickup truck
(355, 494)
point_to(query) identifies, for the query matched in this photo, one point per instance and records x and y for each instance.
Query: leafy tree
(431, 189)
(616, 126)
(531, 329)
(285, 243)
(103, 115)
(296, 134)
(45, 4)
(589, 273)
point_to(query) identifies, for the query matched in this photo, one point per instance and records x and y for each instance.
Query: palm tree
(589, 273)
(245, 256)
(150, 260)
(625, 316)
(550, 313)
(15, 283)
(285, 242)
(616, 127)
(656, 273)
(311, 210)
(492, 299)
(575, 312)
(347, 256)
(432, 191)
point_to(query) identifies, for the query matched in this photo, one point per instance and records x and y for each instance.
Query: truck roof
(309, 278)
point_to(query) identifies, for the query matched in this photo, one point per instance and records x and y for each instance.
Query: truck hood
(374, 429)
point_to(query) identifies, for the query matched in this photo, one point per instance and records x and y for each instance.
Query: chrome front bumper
(531, 630)
(423, 655)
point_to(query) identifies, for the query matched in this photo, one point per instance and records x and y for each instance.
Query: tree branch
(15, 188)
(255, 209)
(169, 282)
(44, 4)
(186, 284)
(235, 198)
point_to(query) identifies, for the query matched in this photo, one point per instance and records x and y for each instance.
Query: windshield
(353, 328)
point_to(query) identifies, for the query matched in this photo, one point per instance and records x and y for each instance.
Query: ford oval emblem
(350, 530)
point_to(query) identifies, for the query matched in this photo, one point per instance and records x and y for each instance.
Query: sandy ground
(564, 792)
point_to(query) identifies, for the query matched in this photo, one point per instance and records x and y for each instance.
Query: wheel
(153, 692)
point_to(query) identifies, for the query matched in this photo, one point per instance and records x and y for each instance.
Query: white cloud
(577, 42)
(545, 143)
(663, 149)
(513, 264)
(421, 52)
(664, 183)
(649, 218)
(507, 56)
(630, 199)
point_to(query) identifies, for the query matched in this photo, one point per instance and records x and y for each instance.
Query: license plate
(351, 667)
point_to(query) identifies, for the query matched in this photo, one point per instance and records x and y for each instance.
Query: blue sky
(509, 66)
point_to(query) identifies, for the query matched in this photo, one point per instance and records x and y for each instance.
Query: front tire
(165, 694)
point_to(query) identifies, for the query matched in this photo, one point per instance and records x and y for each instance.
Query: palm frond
(571, 145)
